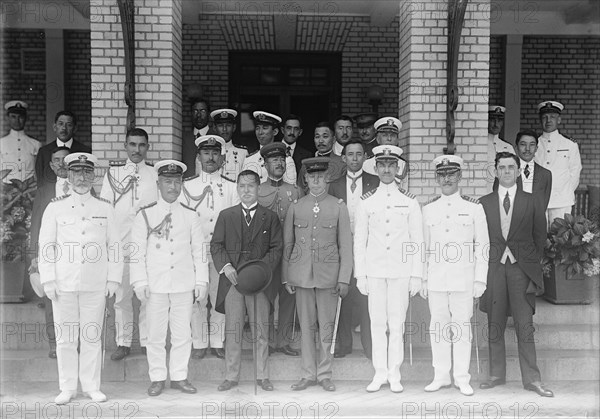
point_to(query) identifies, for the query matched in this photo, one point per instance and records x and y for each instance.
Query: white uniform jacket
(19, 151)
(256, 163)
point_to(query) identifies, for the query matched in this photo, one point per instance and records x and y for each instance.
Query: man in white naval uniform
(208, 193)
(169, 273)
(495, 143)
(388, 234)
(224, 126)
(455, 272)
(266, 128)
(79, 266)
(129, 185)
(560, 155)
(388, 133)
(19, 150)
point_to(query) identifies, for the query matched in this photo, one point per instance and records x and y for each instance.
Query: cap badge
(224, 114)
(498, 110)
(211, 141)
(82, 158)
(172, 166)
(445, 162)
(390, 122)
(261, 116)
(387, 152)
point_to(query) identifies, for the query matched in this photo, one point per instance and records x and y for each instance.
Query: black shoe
(539, 389)
(327, 384)
(184, 385)
(120, 353)
(198, 353)
(265, 384)
(52, 354)
(303, 384)
(218, 352)
(288, 350)
(227, 385)
(156, 388)
(144, 352)
(339, 354)
(492, 382)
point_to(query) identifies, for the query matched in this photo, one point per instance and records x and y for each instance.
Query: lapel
(237, 221)
(342, 184)
(366, 183)
(259, 221)
(519, 207)
(495, 214)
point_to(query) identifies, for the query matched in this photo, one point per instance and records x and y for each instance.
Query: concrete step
(26, 366)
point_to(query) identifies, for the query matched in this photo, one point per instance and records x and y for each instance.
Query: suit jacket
(299, 155)
(542, 185)
(266, 244)
(43, 172)
(526, 239)
(337, 188)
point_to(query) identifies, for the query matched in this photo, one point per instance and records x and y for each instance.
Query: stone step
(24, 366)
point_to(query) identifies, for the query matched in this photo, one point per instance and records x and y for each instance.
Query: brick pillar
(422, 103)
(157, 76)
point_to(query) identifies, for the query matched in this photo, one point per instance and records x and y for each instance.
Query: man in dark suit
(200, 117)
(350, 188)
(44, 195)
(242, 233)
(292, 130)
(65, 126)
(533, 179)
(517, 231)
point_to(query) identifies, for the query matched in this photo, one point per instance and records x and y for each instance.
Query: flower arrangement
(574, 242)
(17, 203)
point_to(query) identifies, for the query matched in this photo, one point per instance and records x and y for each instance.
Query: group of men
(335, 234)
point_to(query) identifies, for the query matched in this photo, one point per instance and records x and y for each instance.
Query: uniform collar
(81, 199)
(15, 132)
(452, 197)
(388, 188)
(550, 135)
(318, 198)
(276, 182)
(164, 205)
(139, 165)
(328, 154)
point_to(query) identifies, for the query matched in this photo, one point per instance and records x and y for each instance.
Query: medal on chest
(316, 208)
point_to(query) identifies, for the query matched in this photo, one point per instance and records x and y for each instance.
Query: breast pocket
(65, 221)
(464, 225)
(99, 223)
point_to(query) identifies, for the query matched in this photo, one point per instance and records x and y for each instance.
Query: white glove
(414, 286)
(51, 290)
(361, 284)
(111, 288)
(423, 291)
(142, 293)
(478, 289)
(200, 292)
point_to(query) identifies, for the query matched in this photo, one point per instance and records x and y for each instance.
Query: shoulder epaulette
(150, 163)
(368, 194)
(190, 178)
(468, 198)
(253, 153)
(103, 200)
(572, 139)
(226, 178)
(410, 195)
(241, 146)
(117, 163)
(185, 206)
(147, 206)
(432, 200)
(60, 198)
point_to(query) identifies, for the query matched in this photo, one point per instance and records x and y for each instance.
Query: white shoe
(465, 389)
(64, 397)
(375, 385)
(97, 396)
(436, 385)
(396, 387)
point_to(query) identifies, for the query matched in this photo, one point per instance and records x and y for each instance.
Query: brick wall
(28, 87)
(497, 47)
(424, 51)
(78, 92)
(567, 69)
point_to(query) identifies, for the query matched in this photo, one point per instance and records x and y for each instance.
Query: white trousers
(78, 319)
(124, 325)
(388, 301)
(450, 333)
(205, 333)
(553, 213)
(173, 311)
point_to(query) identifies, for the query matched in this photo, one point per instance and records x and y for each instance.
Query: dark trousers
(509, 296)
(354, 302)
(49, 323)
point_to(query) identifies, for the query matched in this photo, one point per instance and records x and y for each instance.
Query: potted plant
(571, 258)
(17, 203)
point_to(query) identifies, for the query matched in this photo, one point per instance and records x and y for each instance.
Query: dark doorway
(304, 84)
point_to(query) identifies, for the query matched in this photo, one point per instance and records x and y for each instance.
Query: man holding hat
(277, 195)
(169, 273)
(342, 129)
(79, 267)
(224, 125)
(495, 143)
(129, 184)
(317, 264)
(560, 155)
(388, 233)
(388, 133)
(266, 128)
(365, 122)
(244, 235)
(208, 193)
(18, 149)
(455, 272)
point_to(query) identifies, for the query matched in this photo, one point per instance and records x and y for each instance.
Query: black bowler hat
(253, 277)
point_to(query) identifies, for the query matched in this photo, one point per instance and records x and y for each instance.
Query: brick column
(422, 103)
(158, 77)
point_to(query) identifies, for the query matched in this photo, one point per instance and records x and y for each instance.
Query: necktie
(506, 203)
(288, 151)
(353, 184)
(526, 171)
(247, 211)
